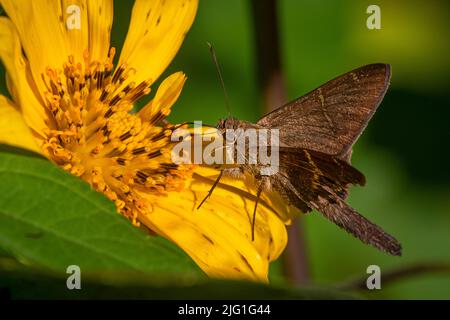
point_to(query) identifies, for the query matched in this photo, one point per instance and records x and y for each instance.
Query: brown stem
(272, 85)
(390, 276)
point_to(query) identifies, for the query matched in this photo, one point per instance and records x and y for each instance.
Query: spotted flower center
(92, 134)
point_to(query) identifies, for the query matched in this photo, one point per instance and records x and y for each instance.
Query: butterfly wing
(330, 118)
(320, 181)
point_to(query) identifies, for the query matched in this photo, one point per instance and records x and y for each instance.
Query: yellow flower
(72, 105)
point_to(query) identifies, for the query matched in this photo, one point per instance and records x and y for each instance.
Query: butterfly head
(228, 123)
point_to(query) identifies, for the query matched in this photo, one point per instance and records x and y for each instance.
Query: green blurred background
(403, 152)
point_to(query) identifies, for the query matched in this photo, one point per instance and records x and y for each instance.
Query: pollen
(93, 134)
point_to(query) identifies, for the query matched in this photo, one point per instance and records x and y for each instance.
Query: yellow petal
(167, 94)
(157, 29)
(218, 235)
(41, 30)
(94, 19)
(75, 29)
(20, 83)
(51, 30)
(13, 130)
(100, 21)
(270, 231)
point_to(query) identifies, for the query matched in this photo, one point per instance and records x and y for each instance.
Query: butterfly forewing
(330, 118)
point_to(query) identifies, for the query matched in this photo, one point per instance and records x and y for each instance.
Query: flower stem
(272, 86)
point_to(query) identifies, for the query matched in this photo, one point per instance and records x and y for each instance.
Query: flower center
(92, 134)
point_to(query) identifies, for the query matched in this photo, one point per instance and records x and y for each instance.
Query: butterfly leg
(258, 196)
(212, 189)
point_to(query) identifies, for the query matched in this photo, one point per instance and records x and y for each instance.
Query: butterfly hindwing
(320, 182)
(340, 213)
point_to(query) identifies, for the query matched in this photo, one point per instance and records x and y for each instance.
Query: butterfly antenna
(219, 73)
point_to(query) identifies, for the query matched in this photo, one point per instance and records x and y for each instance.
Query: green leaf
(52, 219)
(17, 282)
